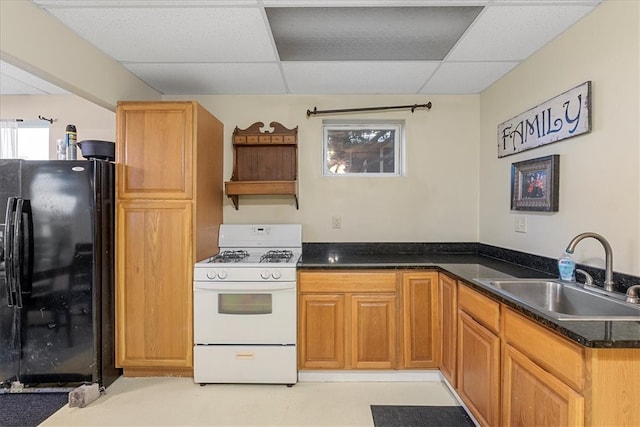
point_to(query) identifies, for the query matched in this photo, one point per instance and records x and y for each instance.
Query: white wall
(436, 201)
(600, 171)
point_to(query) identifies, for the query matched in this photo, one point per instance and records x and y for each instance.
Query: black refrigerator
(56, 274)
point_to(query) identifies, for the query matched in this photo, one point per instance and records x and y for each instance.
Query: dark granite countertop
(470, 266)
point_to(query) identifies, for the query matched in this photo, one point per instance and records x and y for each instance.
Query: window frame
(362, 124)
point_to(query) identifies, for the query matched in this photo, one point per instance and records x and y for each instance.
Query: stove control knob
(222, 275)
(211, 275)
(265, 275)
(276, 275)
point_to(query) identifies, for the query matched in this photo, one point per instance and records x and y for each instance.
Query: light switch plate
(521, 224)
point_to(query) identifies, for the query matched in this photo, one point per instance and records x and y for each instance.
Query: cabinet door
(534, 397)
(448, 296)
(154, 150)
(373, 331)
(479, 370)
(321, 331)
(420, 320)
(154, 285)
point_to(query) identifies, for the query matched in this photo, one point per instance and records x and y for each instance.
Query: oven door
(244, 313)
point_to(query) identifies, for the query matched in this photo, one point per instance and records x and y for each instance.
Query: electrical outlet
(521, 224)
(336, 222)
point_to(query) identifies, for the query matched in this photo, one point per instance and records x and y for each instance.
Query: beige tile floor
(180, 402)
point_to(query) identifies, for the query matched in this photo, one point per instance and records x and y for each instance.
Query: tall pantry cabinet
(168, 211)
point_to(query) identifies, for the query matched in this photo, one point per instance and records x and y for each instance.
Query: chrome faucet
(608, 253)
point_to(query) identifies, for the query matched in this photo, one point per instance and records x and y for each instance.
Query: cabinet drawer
(484, 310)
(348, 281)
(244, 364)
(565, 361)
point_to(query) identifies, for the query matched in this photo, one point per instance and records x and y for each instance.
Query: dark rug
(420, 416)
(29, 409)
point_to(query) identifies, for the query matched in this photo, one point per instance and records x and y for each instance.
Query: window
(33, 142)
(24, 140)
(363, 148)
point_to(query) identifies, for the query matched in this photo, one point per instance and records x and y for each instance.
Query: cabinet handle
(245, 355)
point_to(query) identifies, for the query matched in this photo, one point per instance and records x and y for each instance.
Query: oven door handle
(241, 288)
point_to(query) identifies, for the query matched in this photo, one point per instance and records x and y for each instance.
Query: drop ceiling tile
(368, 33)
(512, 33)
(144, 3)
(466, 77)
(211, 79)
(361, 77)
(199, 34)
(373, 3)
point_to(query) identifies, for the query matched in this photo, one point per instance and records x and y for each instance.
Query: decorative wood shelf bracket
(264, 163)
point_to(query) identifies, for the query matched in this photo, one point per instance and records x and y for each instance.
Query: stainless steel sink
(564, 300)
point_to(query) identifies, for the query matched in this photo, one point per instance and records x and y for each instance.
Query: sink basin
(565, 301)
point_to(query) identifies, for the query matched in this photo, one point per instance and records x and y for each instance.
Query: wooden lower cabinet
(448, 314)
(373, 331)
(513, 371)
(532, 396)
(347, 319)
(479, 370)
(154, 308)
(421, 334)
(321, 331)
(550, 380)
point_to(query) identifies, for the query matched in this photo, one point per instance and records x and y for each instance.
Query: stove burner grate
(229, 256)
(277, 256)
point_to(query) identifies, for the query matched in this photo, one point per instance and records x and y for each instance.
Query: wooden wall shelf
(264, 163)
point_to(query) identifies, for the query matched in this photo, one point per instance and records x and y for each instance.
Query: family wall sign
(559, 118)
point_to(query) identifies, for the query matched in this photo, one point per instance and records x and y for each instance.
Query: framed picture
(534, 184)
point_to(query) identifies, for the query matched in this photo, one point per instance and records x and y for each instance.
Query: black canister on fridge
(71, 140)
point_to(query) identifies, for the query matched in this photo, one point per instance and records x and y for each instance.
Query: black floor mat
(420, 416)
(29, 409)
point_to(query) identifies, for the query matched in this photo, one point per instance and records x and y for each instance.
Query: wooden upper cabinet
(155, 150)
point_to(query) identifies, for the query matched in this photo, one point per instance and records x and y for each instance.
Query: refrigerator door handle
(18, 250)
(8, 250)
(22, 250)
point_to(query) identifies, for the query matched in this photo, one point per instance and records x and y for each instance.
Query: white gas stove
(244, 306)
